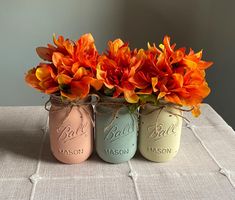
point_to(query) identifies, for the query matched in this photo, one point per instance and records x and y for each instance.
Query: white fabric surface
(203, 169)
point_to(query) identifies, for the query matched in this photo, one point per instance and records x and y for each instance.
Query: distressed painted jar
(116, 131)
(159, 132)
(71, 130)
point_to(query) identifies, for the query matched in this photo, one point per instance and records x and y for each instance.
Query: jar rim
(57, 100)
(112, 99)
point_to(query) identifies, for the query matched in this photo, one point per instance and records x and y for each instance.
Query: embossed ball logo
(115, 133)
(68, 133)
(156, 132)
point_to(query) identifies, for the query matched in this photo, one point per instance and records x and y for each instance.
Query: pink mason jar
(71, 130)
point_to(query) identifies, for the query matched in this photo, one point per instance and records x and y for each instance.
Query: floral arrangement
(75, 69)
(70, 69)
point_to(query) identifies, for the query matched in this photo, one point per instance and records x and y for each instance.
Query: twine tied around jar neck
(79, 104)
(116, 106)
(166, 105)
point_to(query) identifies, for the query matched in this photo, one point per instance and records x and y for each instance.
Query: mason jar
(70, 130)
(159, 132)
(116, 130)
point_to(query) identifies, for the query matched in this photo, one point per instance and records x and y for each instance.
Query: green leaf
(108, 92)
(63, 87)
(148, 98)
(63, 99)
(133, 107)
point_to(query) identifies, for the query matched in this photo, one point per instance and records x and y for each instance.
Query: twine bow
(116, 106)
(81, 104)
(162, 106)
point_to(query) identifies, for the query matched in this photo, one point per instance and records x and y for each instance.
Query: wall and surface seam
(198, 24)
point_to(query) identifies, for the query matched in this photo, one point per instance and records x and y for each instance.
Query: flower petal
(59, 42)
(64, 79)
(161, 95)
(57, 59)
(75, 67)
(52, 90)
(80, 73)
(43, 72)
(204, 65)
(131, 96)
(45, 53)
(177, 56)
(178, 79)
(80, 89)
(154, 83)
(189, 63)
(115, 45)
(97, 84)
(69, 96)
(166, 43)
(31, 78)
(196, 111)
(173, 98)
(69, 46)
(148, 90)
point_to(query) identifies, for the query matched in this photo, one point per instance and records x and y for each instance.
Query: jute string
(78, 105)
(165, 106)
(116, 107)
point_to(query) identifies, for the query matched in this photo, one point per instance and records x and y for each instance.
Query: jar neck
(58, 101)
(112, 99)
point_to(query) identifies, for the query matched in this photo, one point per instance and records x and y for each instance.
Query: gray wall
(207, 24)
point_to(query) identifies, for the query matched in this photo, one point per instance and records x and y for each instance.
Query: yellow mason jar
(159, 132)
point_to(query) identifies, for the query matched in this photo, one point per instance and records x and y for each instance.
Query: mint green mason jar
(115, 130)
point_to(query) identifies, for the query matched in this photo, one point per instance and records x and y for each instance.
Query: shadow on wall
(151, 20)
(198, 24)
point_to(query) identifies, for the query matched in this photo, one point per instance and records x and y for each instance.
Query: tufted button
(34, 178)
(225, 172)
(190, 126)
(133, 175)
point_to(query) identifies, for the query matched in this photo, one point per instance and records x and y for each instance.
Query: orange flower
(43, 78)
(171, 60)
(145, 72)
(68, 55)
(114, 70)
(187, 90)
(155, 74)
(74, 66)
(78, 86)
(184, 80)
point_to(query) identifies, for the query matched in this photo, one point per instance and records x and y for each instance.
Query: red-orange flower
(114, 69)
